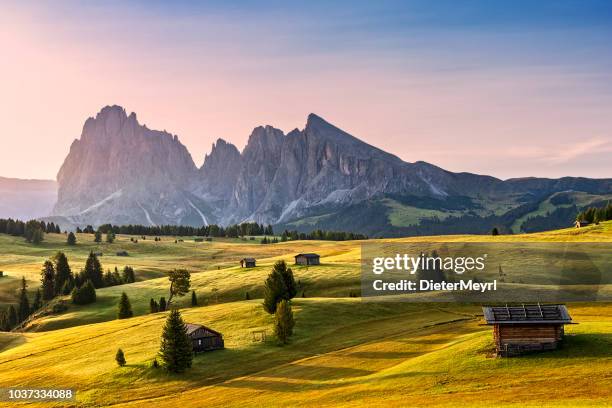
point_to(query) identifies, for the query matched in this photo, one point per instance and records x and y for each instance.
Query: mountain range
(121, 172)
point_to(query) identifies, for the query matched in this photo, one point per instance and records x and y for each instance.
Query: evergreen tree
(287, 275)
(117, 277)
(175, 351)
(153, 306)
(93, 271)
(194, 298)
(110, 237)
(125, 308)
(128, 275)
(47, 280)
(247, 296)
(67, 288)
(71, 240)
(24, 303)
(85, 294)
(162, 304)
(4, 323)
(63, 273)
(283, 321)
(495, 231)
(37, 301)
(12, 316)
(120, 358)
(98, 236)
(279, 285)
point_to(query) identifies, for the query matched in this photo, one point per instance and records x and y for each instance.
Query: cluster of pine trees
(279, 288)
(596, 214)
(213, 230)
(33, 231)
(321, 235)
(14, 316)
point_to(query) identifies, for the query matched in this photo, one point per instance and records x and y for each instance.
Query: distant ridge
(121, 172)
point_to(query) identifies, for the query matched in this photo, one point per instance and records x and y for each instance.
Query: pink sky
(207, 77)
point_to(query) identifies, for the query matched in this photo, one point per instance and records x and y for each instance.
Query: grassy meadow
(345, 352)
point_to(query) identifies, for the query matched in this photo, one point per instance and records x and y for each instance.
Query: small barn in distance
(247, 263)
(204, 338)
(307, 259)
(580, 224)
(521, 329)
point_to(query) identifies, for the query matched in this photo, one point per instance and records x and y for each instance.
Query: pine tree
(247, 296)
(12, 316)
(63, 273)
(153, 306)
(162, 304)
(93, 271)
(279, 285)
(98, 236)
(494, 231)
(85, 294)
(47, 280)
(24, 303)
(37, 301)
(71, 240)
(176, 350)
(283, 321)
(110, 237)
(194, 298)
(120, 358)
(128, 275)
(125, 308)
(4, 324)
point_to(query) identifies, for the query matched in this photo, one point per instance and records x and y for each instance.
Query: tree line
(212, 230)
(321, 235)
(596, 214)
(33, 231)
(58, 279)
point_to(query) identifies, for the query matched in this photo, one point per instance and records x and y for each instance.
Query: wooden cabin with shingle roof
(204, 338)
(527, 328)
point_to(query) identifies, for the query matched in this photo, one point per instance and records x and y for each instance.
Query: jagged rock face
(318, 165)
(259, 164)
(120, 171)
(123, 173)
(219, 173)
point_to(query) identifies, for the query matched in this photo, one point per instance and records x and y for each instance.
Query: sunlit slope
(344, 353)
(217, 277)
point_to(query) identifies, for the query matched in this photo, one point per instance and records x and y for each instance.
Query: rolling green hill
(345, 352)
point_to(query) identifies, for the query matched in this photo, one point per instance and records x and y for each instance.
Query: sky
(508, 89)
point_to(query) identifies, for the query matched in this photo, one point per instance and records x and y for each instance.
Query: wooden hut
(307, 259)
(521, 329)
(247, 263)
(204, 338)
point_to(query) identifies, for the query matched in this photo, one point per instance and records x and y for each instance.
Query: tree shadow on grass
(582, 345)
(315, 372)
(9, 340)
(384, 355)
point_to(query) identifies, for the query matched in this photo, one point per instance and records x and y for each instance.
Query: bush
(120, 358)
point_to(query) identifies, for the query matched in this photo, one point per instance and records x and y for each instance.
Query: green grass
(345, 352)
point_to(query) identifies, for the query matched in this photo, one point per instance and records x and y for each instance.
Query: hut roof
(248, 259)
(530, 314)
(191, 328)
(309, 255)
